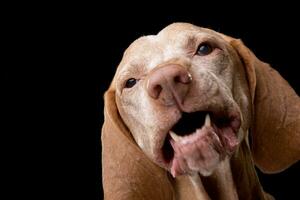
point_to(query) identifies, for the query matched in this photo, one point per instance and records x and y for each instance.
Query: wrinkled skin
(218, 83)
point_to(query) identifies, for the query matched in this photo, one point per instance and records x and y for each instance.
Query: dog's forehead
(152, 49)
(174, 33)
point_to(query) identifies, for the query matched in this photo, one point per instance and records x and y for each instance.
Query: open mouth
(189, 129)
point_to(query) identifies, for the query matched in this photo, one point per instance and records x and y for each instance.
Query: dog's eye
(130, 83)
(204, 49)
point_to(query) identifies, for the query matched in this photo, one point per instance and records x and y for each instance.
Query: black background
(61, 59)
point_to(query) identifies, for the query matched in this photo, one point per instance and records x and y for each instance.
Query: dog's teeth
(207, 120)
(175, 136)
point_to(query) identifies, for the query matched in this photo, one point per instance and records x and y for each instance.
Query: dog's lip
(235, 123)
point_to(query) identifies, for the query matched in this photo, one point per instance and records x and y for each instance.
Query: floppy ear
(127, 172)
(275, 127)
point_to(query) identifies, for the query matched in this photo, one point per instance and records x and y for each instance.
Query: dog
(188, 115)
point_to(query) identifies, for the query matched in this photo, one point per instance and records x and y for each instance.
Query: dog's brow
(191, 42)
(133, 68)
(137, 65)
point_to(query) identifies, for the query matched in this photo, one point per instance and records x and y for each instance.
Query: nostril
(177, 79)
(157, 90)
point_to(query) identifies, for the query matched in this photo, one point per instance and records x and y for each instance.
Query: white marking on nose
(190, 76)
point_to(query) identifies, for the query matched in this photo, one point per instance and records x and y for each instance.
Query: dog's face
(183, 95)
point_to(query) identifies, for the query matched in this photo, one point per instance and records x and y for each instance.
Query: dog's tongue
(201, 149)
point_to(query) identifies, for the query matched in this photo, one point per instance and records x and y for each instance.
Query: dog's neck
(234, 179)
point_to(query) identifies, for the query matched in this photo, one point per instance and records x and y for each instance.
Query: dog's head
(189, 95)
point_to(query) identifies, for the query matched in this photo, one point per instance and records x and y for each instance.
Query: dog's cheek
(134, 111)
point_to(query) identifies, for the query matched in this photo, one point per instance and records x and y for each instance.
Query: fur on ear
(275, 127)
(127, 172)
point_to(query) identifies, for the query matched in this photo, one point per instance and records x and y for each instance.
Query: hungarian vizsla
(188, 115)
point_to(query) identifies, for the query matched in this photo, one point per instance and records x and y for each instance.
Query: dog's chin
(198, 142)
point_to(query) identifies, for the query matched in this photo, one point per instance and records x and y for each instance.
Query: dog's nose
(169, 83)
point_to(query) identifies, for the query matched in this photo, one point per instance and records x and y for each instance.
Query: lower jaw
(209, 149)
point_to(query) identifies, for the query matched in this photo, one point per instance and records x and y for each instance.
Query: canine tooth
(207, 120)
(175, 136)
